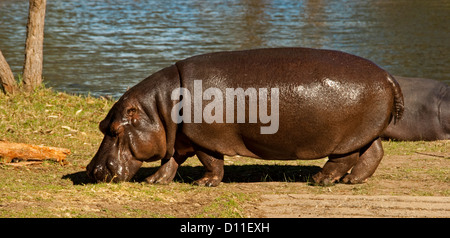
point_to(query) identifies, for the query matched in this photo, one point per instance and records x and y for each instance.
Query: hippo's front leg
(166, 173)
(213, 163)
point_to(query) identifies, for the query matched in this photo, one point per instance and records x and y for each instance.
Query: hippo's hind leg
(369, 159)
(336, 167)
(213, 163)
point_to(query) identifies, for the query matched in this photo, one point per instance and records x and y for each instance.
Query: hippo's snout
(112, 165)
(112, 169)
(100, 173)
(101, 167)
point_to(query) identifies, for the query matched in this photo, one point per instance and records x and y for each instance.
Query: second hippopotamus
(427, 111)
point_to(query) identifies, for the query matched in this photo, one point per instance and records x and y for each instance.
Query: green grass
(50, 118)
(416, 147)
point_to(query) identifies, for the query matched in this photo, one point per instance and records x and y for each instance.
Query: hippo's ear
(111, 128)
(116, 128)
(103, 126)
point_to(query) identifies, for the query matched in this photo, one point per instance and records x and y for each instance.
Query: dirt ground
(307, 205)
(386, 196)
(405, 185)
(380, 204)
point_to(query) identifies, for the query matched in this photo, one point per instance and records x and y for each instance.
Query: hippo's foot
(208, 181)
(159, 178)
(214, 169)
(323, 180)
(352, 179)
(336, 167)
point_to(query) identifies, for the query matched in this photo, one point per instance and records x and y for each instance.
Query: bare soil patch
(313, 205)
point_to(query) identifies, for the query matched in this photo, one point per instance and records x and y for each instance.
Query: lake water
(102, 47)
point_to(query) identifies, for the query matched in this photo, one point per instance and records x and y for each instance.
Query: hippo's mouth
(113, 170)
(101, 173)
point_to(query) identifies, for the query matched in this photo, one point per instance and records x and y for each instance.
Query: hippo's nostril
(96, 172)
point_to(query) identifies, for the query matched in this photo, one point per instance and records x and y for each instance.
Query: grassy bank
(53, 119)
(57, 119)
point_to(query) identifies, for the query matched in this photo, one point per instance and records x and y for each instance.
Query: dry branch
(19, 151)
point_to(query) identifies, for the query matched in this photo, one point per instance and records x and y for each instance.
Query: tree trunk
(7, 80)
(32, 69)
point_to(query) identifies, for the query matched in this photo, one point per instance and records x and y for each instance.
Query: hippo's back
(330, 102)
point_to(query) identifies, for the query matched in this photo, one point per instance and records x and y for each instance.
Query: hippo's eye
(131, 111)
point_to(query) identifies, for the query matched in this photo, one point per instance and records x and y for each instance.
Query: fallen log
(10, 152)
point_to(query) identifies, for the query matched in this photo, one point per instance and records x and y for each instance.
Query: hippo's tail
(398, 99)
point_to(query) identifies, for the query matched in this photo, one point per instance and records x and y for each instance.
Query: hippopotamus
(323, 103)
(427, 111)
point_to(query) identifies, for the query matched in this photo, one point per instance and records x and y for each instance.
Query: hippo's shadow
(79, 178)
(241, 173)
(233, 174)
